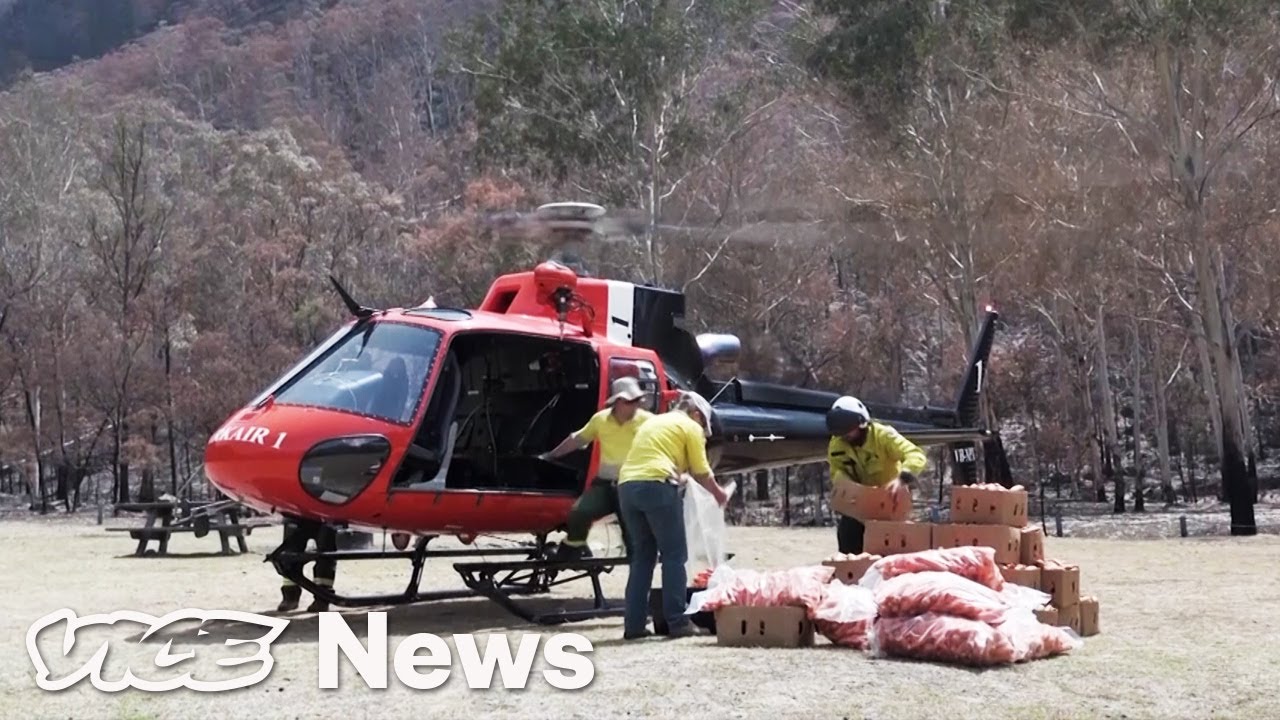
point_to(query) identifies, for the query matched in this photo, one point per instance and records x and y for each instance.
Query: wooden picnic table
(183, 516)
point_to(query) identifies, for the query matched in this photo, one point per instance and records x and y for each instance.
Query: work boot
(687, 630)
(317, 606)
(567, 553)
(289, 597)
(637, 636)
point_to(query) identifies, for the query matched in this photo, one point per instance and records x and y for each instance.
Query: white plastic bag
(1033, 640)
(1023, 597)
(799, 586)
(721, 575)
(976, 563)
(843, 603)
(845, 614)
(944, 638)
(704, 526)
(946, 593)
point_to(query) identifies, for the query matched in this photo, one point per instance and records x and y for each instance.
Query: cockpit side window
(641, 370)
(378, 370)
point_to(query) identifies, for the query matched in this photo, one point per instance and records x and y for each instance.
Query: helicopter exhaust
(355, 308)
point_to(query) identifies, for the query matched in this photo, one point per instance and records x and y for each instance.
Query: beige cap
(626, 388)
(694, 401)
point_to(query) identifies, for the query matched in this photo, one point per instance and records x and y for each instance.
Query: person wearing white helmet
(870, 453)
(666, 447)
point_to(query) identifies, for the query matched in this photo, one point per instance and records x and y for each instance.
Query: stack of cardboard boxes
(982, 516)
(1001, 516)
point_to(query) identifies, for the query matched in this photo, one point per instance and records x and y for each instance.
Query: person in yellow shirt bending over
(614, 428)
(667, 447)
(870, 453)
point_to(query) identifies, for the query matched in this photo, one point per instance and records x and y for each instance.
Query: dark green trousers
(296, 536)
(849, 535)
(600, 500)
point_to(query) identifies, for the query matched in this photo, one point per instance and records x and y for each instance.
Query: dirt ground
(1190, 630)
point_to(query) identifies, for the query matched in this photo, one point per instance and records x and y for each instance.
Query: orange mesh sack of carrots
(962, 641)
(950, 594)
(975, 563)
(802, 586)
(844, 615)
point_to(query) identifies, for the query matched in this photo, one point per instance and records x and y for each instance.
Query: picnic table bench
(199, 519)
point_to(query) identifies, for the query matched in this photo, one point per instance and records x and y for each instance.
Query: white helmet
(847, 413)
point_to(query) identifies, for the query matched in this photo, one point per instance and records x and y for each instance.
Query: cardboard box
(782, 627)
(1062, 584)
(1047, 615)
(1024, 575)
(851, 571)
(1069, 616)
(1004, 540)
(864, 502)
(1032, 546)
(1089, 616)
(895, 538)
(988, 507)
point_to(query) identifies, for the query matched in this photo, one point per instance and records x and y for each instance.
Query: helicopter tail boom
(761, 425)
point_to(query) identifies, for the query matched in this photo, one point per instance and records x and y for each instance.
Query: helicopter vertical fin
(968, 408)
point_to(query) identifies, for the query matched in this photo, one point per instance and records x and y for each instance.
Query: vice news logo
(221, 650)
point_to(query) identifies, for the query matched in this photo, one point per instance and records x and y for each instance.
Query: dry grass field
(1191, 629)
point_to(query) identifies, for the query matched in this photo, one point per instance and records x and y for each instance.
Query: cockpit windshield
(378, 369)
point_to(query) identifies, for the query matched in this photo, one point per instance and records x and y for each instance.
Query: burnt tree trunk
(77, 477)
(1236, 485)
(1135, 427)
(1190, 167)
(168, 390)
(1110, 439)
(61, 491)
(1188, 462)
(1160, 388)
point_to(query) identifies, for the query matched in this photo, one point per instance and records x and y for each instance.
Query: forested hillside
(43, 35)
(843, 185)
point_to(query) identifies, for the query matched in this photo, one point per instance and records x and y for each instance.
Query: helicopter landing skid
(499, 581)
(289, 564)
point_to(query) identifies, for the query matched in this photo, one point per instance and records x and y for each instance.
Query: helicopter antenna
(354, 307)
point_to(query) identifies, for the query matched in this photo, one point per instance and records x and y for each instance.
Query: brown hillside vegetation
(843, 197)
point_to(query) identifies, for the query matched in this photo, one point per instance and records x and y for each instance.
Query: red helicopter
(428, 421)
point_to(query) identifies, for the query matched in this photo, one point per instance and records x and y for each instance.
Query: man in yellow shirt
(666, 447)
(870, 453)
(614, 428)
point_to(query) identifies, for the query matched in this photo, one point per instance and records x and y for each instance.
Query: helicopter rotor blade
(627, 225)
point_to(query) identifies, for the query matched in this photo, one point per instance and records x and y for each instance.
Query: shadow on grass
(153, 555)
(446, 617)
